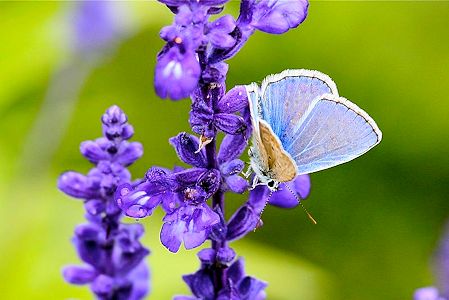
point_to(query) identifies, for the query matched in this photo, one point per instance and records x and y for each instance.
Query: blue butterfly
(301, 125)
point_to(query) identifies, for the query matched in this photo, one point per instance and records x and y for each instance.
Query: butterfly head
(273, 185)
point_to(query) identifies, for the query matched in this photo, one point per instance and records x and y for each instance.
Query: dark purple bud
(243, 221)
(103, 286)
(201, 284)
(225, 255)
(114, 116)
(236, 271)
(186, 178)
(201, 114)
(230, 123)
(219, 230)
(77, 185)
(234, 100)
(79, 274)
(186, 147)
(128, 153)
(207, 256)
(93, 152)
(252, 288)
(210, 182)
(219, 32)
(94, 206)
(176, 74)
(236, 184)
(232, 167)
(278, 16)
(216, 73)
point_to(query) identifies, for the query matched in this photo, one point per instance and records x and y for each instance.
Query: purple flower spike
(176, 74)
(278, 16)
(113, 255)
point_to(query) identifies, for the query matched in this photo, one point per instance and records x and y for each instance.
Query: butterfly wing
(331, 132)
(285, 98)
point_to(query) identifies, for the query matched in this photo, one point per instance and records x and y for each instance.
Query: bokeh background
(379, 217)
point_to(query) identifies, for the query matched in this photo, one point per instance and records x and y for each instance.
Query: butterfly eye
(270, 183)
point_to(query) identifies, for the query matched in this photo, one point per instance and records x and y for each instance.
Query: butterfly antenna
(300, 203)
(261, 212)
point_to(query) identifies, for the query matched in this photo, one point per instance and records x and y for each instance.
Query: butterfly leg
(248, 171)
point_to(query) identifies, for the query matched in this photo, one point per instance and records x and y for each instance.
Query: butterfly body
(301, 125)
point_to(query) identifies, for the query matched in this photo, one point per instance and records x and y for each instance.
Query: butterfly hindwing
(333, 131)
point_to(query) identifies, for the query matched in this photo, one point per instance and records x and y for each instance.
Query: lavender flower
(442, 273)
(113, 255)
(192, 64)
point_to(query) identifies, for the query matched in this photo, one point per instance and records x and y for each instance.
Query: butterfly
(301, 125)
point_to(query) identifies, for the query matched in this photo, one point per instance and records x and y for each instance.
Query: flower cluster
(113, 255)
(442, 273)
(196, 48)
(192, 64)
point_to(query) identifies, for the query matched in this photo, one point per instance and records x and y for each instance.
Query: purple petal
(231, 147)
(225, 255)
(284, 197)
(232, 167)
(221, 40)
(225, 24)
(236, 271)
(278, 16)
(171, 235)
(243, 221)
(237, 184)
(186, 146)
(128, 153)
(186, 178)
(76, 185)
(140, 278)
(194, 239)
(139, 202)
(230, 123)
(427, 293)
(94, 206)
(79, 274)
(252, 288)
(207, 255)
(176, 74)
(233, 101)
(93, 152)
(201, 284)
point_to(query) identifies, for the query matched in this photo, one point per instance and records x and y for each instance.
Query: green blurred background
(379, 217)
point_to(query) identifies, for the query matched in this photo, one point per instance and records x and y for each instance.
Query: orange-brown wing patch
(281, 167)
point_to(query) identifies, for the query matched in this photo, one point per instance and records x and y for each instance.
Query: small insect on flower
(301, 126)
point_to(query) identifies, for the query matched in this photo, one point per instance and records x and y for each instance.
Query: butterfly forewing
(281, 167)
(285, 97)
(332, 132)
